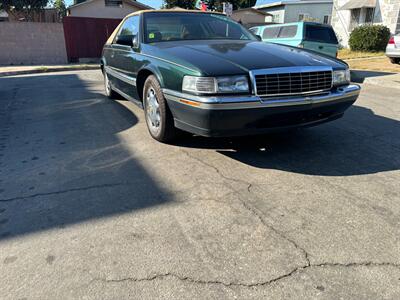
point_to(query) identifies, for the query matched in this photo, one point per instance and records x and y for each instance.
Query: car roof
(296, 23)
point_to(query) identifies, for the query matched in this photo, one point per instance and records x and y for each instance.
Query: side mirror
(127, 40)
(135, 42)
(259, 37)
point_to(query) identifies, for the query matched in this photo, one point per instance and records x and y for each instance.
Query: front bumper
(245, 115)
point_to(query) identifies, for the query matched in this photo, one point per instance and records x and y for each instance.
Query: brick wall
(32, 43)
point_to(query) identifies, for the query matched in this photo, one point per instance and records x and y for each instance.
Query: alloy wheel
(153, 111)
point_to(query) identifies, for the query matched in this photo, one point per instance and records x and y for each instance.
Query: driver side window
(130, 27)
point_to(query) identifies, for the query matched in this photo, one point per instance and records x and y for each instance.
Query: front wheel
(107, 87)
(159, 120)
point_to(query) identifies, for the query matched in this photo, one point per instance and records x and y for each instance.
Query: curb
(365, 58)
(49, 70)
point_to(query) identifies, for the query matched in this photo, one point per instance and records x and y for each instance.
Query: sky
(152, 3)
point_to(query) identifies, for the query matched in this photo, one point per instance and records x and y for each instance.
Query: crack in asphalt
(106, 185)
(188, 154)
(241, 284)
(256, 213)
(253, 210)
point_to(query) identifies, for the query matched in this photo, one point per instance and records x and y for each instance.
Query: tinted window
(324, 34)
(288, 31)
(130, 26)
(271, 32)
(161, 27)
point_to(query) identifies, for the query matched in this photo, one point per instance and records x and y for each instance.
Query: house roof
(272, 3)
(131, 2)
(252, 10)
(358, 4)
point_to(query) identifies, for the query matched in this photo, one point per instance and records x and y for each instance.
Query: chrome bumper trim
(252, 101)
(121, 76)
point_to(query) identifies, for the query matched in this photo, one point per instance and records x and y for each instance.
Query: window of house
(369, 15)
(276, 18)
(304, 16)
(355, 18)
(327, 19)
(113, 2)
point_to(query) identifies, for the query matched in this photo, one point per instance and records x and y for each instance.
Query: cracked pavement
(92, 208)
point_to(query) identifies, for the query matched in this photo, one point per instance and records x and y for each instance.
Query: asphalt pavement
(91, 207)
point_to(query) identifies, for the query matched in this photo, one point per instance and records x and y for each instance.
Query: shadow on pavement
(360, 75)
(62, 161)
(359, 143)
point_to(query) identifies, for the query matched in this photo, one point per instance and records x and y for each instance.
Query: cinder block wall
(32, 43)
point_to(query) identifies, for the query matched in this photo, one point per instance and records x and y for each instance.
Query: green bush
(369, 38)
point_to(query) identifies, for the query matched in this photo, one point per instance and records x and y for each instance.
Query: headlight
(341, 77)
(213, 85)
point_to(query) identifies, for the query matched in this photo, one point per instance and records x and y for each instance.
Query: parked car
(204, 73)
(313, 36)
(393, 49)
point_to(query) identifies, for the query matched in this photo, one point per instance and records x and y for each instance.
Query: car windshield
(161, 27)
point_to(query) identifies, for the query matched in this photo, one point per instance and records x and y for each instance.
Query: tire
(108, 88)
(159, 120)
(394, 60)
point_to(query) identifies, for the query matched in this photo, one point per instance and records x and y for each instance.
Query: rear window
(322, 34)
(280, 32)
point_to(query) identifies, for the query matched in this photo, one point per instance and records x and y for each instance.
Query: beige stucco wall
(32, 43)
(386, 13)
(97, 9)
(247, 17)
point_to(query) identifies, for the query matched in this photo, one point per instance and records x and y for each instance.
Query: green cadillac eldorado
(206, 74)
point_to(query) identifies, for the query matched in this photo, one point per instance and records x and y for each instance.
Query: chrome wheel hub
(152, 110)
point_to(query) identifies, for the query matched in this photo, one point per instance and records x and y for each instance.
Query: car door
(126, 48)
(320, 38)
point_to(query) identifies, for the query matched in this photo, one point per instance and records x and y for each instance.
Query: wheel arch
(142, 75)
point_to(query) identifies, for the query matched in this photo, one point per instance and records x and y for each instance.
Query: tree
(61, 9)
(211, 4)
(187, 4)
(217, 4)
(22, 8)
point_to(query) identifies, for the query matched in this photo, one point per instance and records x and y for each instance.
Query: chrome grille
(293, 83)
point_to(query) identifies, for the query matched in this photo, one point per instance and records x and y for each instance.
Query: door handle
(321, 47)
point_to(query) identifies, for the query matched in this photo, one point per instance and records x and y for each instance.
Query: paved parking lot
(91, 207)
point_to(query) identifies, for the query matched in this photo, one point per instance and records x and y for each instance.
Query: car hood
(216, 58)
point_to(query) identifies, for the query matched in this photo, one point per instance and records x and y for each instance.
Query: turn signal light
(188, 102)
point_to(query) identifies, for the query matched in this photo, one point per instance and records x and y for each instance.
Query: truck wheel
(159, 120)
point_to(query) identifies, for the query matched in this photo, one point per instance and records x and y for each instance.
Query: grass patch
(348, 54)
(374, 64)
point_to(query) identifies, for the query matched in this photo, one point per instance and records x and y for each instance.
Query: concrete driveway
(91, 207)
